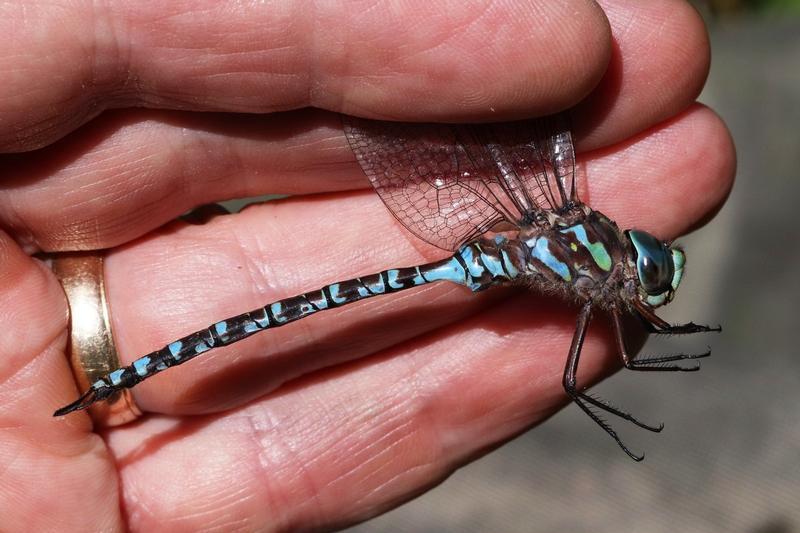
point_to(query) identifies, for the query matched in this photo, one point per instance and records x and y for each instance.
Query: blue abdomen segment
(482, 264)
(477, 265)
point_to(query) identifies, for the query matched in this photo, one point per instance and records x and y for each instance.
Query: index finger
(414, 60)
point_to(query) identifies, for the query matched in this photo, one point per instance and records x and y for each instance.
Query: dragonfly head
(659, 267)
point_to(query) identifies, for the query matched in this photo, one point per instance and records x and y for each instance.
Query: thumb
(52, 470)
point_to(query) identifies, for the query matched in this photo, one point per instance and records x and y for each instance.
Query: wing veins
(449, 183)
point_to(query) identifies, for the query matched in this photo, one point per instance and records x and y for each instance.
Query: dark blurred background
(729, 458)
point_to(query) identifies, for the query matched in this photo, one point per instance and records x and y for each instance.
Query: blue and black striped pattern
(477, 265)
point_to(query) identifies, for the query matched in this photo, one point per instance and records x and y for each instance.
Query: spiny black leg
(651, 364)
(608, 429)
(605, 406)
(686, 329)
(682, 329)
(583, 400)
(656, 325)
(656, 364)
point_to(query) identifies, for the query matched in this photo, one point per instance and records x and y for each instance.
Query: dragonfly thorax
(579, 253)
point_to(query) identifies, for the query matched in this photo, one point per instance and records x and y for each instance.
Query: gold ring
(93, 353)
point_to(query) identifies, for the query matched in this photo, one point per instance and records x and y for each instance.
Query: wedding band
(93, 353)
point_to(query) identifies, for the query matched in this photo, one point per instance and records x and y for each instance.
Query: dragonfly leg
(651, 364)
(585, 401)
(654, 324)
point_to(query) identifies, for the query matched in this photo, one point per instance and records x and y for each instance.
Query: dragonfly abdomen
(476, 265)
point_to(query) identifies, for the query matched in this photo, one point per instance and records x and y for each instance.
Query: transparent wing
(535, 159)
(450, 183)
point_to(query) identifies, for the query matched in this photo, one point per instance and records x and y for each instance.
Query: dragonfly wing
(450, 183)
(535, 161)
(427, 179)
(562, 159)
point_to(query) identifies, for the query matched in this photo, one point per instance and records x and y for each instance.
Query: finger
(51, 470)
(140, 170)
(191, 276)
(342, 445)
(668, 179)
(107, 183)
(130, 172)
(659, 64)
(416, 59)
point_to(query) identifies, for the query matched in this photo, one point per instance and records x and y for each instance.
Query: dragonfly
(503, 198)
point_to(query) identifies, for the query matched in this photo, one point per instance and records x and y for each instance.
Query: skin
(347, 414)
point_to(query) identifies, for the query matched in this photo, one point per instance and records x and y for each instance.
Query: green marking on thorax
(597, 249)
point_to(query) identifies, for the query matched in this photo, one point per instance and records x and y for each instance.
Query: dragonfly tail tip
(86, 399)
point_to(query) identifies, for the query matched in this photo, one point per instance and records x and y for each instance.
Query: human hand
(347, 414)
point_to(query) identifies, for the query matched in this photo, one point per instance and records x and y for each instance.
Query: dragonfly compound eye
(655, 263)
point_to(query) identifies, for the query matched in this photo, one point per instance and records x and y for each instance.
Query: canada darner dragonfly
(503, 197)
